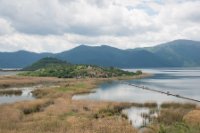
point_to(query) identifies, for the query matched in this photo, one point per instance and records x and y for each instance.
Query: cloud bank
(58, 25)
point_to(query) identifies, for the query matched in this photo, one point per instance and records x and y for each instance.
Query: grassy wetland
(55, 111)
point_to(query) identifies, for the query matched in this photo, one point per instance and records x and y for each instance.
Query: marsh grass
(169, 116)
(10, 92)
(55, 112)
(178, 105)
(36, 106)
(173, 118)
(193, 117)
(41, 93)
(174, 112)
(73, 87)
(179, 127)
(108, 111)
(21, 81)
(116, 110)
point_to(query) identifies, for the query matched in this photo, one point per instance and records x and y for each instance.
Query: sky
(59, 25)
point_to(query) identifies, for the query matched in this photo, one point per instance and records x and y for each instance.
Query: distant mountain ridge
(109, 56)
(178, 53)
(20, 58)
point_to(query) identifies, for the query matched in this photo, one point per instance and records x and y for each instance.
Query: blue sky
(58, 25)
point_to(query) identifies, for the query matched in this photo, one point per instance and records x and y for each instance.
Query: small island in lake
(52, 67)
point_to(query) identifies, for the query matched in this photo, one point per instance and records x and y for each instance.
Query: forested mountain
(20, 59)
(178, 53)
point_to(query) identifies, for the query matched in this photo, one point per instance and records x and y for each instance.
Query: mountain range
(178, 53)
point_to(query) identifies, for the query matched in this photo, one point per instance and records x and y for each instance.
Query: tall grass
(178, 105)
(172, 118)
(55, 112)
(10, 92)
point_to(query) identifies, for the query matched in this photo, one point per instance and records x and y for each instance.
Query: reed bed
(10, 92)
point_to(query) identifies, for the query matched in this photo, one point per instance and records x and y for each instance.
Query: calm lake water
(8, 73)
(26, 91)
(26, 95)
(184, 82)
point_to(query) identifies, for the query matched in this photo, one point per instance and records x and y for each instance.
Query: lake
(180, 81)
(25, 96)
(184, 82)
(8, 73)
(26, 91)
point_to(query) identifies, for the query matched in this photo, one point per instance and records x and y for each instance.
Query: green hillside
(52, 67)
(179, 53)
(44, 63)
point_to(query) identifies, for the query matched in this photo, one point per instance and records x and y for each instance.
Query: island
(52, 67)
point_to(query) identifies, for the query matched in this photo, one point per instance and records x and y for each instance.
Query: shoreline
(58, 102)
(13, 81)
(163, 92)
(104, 80)
(55, 104)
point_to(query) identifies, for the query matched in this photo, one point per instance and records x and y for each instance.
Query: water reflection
(125, 93)
(25, 95)
(8, 73)
(140, 117)
(184, 82)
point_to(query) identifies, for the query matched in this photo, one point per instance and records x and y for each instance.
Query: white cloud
(57, 25)
(34, 43)
(5, 27)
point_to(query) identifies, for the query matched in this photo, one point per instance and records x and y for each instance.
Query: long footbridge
(162, 92)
